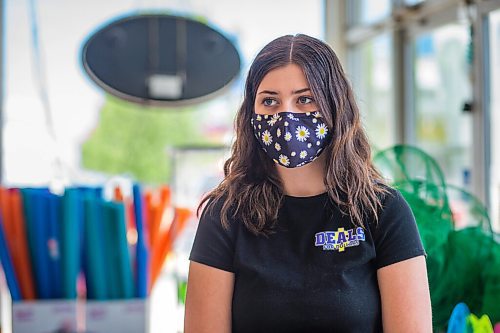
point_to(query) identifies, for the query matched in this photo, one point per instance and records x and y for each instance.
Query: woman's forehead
(285, 79)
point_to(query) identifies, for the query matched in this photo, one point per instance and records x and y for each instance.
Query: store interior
(97, 118)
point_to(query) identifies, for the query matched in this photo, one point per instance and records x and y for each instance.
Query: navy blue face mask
(291, 139)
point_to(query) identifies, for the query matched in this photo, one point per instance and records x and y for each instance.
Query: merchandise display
(463, 259)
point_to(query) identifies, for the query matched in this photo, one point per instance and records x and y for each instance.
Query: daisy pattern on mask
(278, 133)
(321, 131)
(284, 160)
(317, 114)
(303, 154)
(292, 117)
(288, 136)
(267, 138)
(302, 133)
(277, 146)
(273, 119)
(259, 118)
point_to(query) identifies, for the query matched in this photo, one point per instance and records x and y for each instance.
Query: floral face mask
(291, 139)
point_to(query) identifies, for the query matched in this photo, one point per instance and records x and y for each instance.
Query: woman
(302, 235)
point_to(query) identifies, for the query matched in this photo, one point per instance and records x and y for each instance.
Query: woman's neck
(304, 181)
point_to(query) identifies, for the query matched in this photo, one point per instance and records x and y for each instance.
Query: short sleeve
(213, 245)
(396, 234)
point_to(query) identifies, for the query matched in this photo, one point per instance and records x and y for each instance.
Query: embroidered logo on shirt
(339, 240)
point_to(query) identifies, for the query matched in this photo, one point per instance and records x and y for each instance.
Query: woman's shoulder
(393, 205)
(388, 195)
(213, 244)
(211, 207)
(392, 202)
(395, 233)
(216, 206)
(213, 203)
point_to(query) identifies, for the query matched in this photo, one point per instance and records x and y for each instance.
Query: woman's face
(284, 89)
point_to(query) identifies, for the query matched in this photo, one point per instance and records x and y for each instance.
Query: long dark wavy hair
(251, 191)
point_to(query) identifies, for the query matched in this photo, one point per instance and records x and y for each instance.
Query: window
(494, 28)
(442, 90)
(368, 11)
(413, 2)
(372, 77)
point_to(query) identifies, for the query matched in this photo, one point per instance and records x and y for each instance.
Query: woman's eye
(269, 102)
(305, 100)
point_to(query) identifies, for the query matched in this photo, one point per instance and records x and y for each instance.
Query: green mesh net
(463, 254)
(491, 278)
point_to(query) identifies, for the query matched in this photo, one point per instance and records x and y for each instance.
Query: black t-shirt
(317, 272)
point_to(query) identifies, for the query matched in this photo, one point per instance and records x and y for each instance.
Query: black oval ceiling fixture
(160, 59)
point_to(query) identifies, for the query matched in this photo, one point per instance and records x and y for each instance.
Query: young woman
(303, 235)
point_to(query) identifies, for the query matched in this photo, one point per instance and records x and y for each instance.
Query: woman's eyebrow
(268, 92)
(300, 91)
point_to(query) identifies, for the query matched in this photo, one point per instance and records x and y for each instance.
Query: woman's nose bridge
(287, 104)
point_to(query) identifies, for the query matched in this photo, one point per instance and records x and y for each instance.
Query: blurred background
(425, 73)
